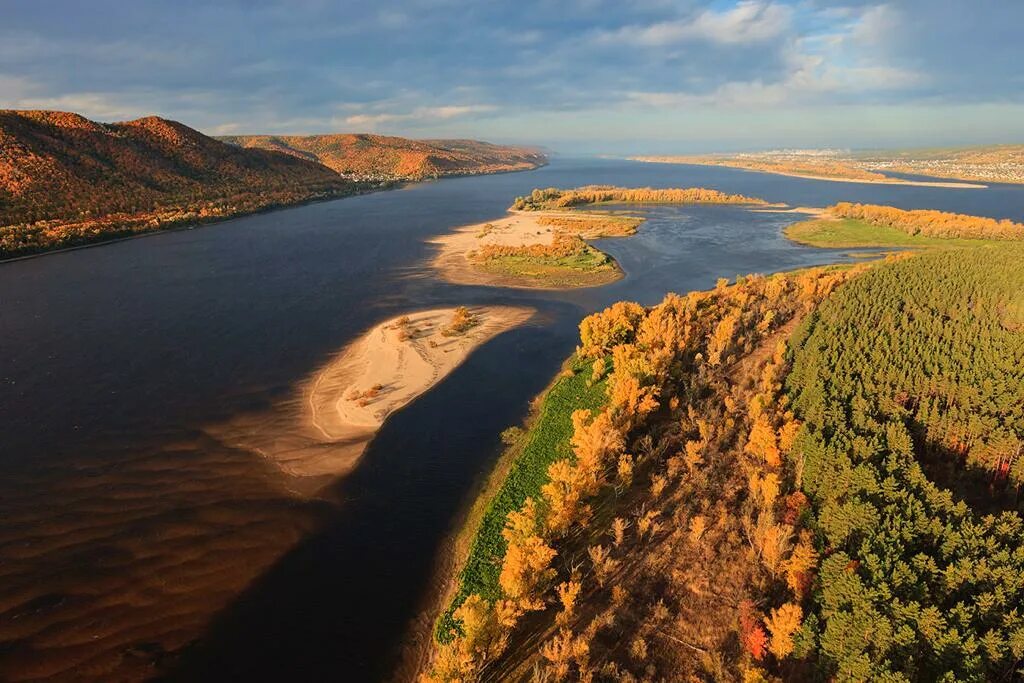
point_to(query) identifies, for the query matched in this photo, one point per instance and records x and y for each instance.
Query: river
(137, 541)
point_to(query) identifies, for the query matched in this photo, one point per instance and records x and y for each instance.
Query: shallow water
(135, 541)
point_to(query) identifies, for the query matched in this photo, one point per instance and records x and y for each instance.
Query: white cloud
(420, 114)
(751, 21)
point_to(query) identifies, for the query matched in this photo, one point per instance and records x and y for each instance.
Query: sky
(578, 76)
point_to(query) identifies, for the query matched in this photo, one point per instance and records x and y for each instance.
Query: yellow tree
(782, 624)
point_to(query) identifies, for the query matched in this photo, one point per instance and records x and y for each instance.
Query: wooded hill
(66, 180)
(387, 157)
(810, 476)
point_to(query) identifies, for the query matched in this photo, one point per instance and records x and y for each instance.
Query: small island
(543, 242)
(347, 400)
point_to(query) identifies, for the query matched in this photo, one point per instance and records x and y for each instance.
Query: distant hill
(66, 180)
(385, 157)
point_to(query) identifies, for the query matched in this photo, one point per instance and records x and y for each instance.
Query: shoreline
(384, 186)
(416, 651)
(454, 263)
(866, 181)
(322, 433)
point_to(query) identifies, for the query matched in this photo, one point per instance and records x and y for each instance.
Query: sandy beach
(805, 210)
(322, 432)
(517, 229)
(809, 176)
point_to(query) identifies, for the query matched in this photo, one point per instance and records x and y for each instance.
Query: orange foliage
(614, 325)
(562, 246)
(931, 223)
(755, 640)
(387, 157)
(782, 624)
(554, 198)
(762, 442)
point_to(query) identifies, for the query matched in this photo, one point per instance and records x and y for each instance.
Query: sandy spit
(833, 179)
(321, 433)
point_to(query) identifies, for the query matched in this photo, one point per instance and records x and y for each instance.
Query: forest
(910, 385)
(807, 476)
(930, 223)
(554, 198)
(385, 157)
(650, 481)
(66, 180)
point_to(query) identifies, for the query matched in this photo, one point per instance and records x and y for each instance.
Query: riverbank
(848, 233)
(533, 250)
(812, 176)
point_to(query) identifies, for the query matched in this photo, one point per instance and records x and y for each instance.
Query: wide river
(139, 539)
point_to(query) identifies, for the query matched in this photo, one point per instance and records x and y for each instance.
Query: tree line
(554, 198)
(930, 223)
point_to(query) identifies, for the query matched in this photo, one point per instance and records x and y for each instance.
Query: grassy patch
(850, 232)
(546, 441)
(587, 267)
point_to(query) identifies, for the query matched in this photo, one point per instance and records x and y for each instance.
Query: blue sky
(644, 76)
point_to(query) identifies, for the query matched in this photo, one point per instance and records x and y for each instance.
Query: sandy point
(517, 229)
(321, 432)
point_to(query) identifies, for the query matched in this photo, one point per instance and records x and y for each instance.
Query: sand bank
(811, 176)
(321, 433)
(804, 210)
(868, 181)
(454, 260)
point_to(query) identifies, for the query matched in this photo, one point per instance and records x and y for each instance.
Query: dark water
(134, 542)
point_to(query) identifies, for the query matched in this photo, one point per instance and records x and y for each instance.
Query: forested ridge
(650, 539)
(810, 476)
(389, 157)
(66, 180)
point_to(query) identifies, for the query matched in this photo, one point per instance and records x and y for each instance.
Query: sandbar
(322, 432)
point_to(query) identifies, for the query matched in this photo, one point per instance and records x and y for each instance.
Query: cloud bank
(657, 75)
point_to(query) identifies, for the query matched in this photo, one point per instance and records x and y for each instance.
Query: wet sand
(322, 435)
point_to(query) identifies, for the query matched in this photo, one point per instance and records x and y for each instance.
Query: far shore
(834, 179)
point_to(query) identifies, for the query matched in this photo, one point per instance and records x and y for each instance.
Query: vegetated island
(811, 475)
(849, 224)
(804, 165)
(542, 243)
(365, 157)
(66, 181)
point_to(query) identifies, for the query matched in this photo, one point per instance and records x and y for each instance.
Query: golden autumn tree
(782, 624)
(527, 560)
(762, 442)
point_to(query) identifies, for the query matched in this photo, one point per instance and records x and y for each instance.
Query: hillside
(809, 476)
(365, 156)
(66, 180)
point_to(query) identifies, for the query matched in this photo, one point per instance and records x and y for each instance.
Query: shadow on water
(334, 607)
